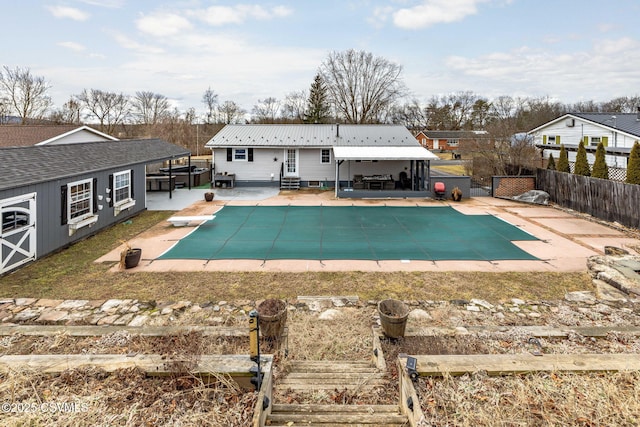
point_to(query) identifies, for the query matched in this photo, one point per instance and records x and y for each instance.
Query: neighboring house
(54, 195)
(353, 159)
(448, 140)
(27, 135)
(617, 132)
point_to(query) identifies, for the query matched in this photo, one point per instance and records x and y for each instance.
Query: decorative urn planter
(208, 196)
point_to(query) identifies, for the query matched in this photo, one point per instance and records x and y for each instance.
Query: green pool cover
(351, 232)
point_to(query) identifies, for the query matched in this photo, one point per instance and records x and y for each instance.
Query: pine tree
(582, 164)
(318, 108)
(633, 166)
(551, 164)
(563, 160)
(600, 168)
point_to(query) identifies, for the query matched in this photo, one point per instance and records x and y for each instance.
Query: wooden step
(336, 415)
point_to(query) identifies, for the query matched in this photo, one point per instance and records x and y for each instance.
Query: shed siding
(51, 235)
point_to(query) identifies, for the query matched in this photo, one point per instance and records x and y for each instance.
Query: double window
(121, 187)
(80, 203)
(325, 155)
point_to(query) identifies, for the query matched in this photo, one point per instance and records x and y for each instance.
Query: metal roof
(383, 153)
(311, 136)
(35, 164)
(455, 134)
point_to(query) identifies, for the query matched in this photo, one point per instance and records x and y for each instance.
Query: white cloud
(559, 74)
(162, 24)
(223, 15)
(68, 12)
(380, 16)
(432, 12)
(76, 47)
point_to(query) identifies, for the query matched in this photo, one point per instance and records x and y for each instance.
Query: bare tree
(68, 114)
(230, 112)
(411, 115)
(108, 108)
(266, 110)
(362, 86)
(24, 93)
(210, 100)
(149, 108)
(294, 106)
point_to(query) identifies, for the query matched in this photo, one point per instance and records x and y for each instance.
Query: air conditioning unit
(570, 123)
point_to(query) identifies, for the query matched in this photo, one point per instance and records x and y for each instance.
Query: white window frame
(123, 200)
(551, 139)
(124, 203)
(322, 156)
(453, 142)
(88, 198)
(244, 157)
(595, 140)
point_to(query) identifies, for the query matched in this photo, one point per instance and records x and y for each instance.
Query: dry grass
(542, 399)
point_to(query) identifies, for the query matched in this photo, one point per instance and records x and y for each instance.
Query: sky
(567, 50)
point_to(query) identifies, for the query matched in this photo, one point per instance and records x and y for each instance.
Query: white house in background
(356, 160)
(617, 131)
(28, 135)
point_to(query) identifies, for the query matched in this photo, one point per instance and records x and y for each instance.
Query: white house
(353, 159)
(617, 132)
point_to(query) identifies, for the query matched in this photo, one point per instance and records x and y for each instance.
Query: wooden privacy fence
(608, 200)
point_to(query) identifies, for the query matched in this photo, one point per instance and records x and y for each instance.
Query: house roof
(312, 136)
(455, 134)
(383, 153)
(26, 135)
(628, 123)
(34, 164)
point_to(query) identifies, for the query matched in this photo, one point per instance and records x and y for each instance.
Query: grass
(73, 274)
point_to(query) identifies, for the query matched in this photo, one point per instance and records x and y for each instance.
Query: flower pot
(132, 257)
(208, 196)
(393, 317)
(273, 317)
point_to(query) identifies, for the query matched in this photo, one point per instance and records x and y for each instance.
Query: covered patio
(412, 181)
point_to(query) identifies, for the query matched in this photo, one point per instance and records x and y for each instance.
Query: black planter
(132, 258)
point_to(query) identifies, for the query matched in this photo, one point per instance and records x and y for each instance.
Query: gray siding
(51, 235)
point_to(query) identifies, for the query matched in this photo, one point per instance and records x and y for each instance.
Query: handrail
(281, 174)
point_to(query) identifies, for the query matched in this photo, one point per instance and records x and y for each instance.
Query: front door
(291, 162)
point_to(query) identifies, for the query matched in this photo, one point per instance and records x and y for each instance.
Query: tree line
(352, 86)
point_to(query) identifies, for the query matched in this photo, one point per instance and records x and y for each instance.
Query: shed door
(18, 234)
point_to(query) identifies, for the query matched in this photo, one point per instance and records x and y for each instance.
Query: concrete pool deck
(566, 240)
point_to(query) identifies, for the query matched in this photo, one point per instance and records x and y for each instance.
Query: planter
(393, 317)
(208, 196)
(132, 257)
(273, 317)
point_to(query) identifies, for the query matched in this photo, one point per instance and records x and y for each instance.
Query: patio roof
(383, 153)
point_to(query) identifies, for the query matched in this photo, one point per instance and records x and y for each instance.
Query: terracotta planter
(132, 258)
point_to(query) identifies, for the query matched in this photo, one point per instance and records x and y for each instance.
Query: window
(121, 187)
(80, 200)
(13, 220)
(325, 155)
(239, 154)
(551, 139)
(452, 142)
(595, 140)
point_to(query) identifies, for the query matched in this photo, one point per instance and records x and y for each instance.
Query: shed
(54, 195)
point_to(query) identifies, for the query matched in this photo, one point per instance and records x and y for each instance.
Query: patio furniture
(227, 181)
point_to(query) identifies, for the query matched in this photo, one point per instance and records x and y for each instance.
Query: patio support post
(170, 173)
(337, 177)
(189, 173)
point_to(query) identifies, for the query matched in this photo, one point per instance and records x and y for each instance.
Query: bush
(551, 165)
(582, 165)
(600, 168)
(563, 160)
(633, 166)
